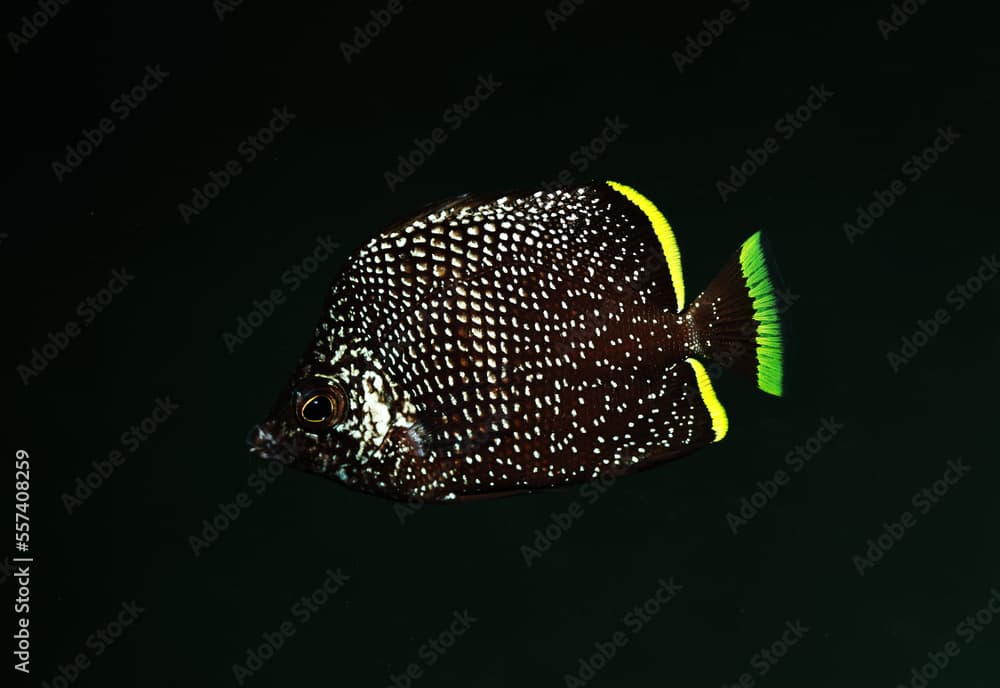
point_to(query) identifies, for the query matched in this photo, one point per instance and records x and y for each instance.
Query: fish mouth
(263, 444)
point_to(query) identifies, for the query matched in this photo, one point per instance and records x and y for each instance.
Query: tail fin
(736, 321)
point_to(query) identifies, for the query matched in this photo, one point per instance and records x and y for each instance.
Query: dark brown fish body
(511, 343)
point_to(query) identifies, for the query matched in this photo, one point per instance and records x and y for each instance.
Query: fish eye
(319, 406)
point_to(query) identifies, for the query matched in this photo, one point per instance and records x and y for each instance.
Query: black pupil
(317, 409)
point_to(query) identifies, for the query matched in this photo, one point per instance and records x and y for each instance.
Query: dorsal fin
(669, 273)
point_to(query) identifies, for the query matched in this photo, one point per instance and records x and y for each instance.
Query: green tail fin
(755, 263)
(736, 321)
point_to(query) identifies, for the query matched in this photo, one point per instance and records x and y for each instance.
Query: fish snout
(258, 438)
(263, 444)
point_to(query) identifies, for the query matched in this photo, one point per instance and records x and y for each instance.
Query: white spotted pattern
(510, 343)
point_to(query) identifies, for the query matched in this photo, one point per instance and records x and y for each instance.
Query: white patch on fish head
(374, 404)
(375, 412)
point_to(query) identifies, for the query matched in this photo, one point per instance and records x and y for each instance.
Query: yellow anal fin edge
(720, 421)
(668, 242)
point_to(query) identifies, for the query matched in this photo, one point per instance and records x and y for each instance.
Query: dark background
(163, 337)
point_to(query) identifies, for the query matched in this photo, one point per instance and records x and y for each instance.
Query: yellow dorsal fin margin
(720, 421)
(663, 232)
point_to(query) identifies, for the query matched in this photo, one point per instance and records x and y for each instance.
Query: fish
(510, 343)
